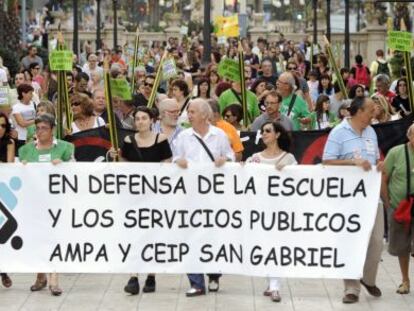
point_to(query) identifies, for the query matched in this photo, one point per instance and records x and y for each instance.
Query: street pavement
(105, 292)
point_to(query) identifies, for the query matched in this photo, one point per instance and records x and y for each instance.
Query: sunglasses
(75, 104)
(148, 84)
(292, 68)
(267, 130)
(3, 125)
(37, 68)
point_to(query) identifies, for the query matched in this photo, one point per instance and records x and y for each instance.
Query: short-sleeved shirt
(344, 143)
(26, 61)
(28, 112)
(228, 97)
(189, 148)
(395, 168)
(60, 150)
(299, 110)
(284, 158)
(232, 134)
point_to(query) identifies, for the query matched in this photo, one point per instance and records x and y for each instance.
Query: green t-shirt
(397, 175)
(60, 150)
(227, 98)
(299, 110)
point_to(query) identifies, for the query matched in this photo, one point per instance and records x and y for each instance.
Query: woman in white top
(277, 143)
(24, 112)
(83, 117)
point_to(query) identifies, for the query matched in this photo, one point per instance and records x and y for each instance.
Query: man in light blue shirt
(354, 142)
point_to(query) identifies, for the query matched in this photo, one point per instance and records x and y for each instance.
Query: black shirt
(158, 152)
(398, 101)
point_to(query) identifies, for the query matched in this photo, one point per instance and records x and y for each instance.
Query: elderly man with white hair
(168, 124)
(293, 106)
(200, 143)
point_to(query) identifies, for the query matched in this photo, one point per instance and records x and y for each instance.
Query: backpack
(361, 75)
(383, 68)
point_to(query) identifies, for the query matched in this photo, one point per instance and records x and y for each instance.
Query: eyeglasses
(3, 125)
(267, 130)
(42, 128)
(75, 104)
(266, 103)
(148, 84)
(283, 82)
(173, 111)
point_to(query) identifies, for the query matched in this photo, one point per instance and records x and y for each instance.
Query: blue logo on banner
(8, 202)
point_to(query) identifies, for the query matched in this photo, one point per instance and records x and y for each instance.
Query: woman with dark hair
(322, 118)
(144, 146)
(358, 90)
(24, 112)
(325, 86)
(322, 65)
(401, 102)
(276, 143)
(261, 88)
(233, 114)
(214, 80)
(7, 153)
(83, 116)
(203, 88)
(180, 92)
(7, 146)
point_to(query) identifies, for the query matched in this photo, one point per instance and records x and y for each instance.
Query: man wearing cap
(354, 142)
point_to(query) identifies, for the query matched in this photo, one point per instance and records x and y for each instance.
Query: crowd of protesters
(198, 115)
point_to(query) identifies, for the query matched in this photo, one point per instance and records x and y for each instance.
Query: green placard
(169, 70)
(229, 69)
(400, 41)
(120, 88)
(61, 60)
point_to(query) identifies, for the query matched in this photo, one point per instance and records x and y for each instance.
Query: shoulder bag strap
(407, 167)
(205, 147)
(237, 96)
(292, 102)
(185, 105)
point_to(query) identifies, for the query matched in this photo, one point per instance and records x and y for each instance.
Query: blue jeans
(197, 281)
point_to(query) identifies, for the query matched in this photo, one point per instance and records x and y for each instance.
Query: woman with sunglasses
(233, 114)
(83, 116)
(7, 152)
(276, 143)
(401, 103)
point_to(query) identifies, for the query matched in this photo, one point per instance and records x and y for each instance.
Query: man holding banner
(202, 143)
(354, 142)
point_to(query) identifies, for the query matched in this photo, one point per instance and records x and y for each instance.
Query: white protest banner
(306, 221)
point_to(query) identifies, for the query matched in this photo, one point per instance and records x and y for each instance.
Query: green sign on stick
(400, 41)
(229, 69)
(61, 60)
(120, 88)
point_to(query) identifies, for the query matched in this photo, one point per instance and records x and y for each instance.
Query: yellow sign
(227, 26)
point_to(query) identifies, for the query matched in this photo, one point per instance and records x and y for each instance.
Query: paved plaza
(105, 292)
